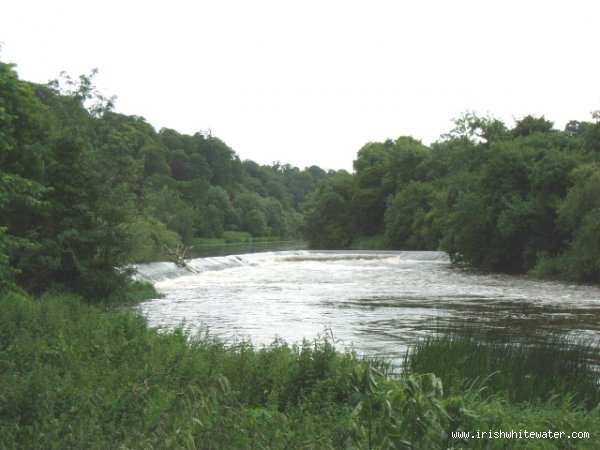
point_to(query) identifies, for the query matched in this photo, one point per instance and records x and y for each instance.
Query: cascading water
(376, 301)
(159, 271)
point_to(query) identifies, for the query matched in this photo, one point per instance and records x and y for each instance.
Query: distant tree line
(85, 190)
(520, 199)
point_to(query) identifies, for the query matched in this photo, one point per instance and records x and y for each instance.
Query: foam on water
(376, 302)
(160, 271)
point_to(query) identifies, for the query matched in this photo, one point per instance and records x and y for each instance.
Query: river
(375, 302)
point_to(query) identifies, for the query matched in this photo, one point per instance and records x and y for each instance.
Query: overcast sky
(310, 82)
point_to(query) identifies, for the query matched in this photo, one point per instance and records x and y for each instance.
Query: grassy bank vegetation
(554, 367)
(85, 191)
(75, 375)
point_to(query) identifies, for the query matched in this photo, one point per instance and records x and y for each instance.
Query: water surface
(375, 302)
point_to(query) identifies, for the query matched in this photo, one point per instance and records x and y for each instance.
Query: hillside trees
(85, 190)
(64, 225)
(520, 199)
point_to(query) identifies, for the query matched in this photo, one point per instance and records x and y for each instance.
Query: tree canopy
(85, 190)
(510, 199)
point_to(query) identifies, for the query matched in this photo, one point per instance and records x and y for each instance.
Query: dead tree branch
(177, 255)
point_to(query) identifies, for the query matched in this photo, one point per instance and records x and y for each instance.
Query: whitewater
(374, 302)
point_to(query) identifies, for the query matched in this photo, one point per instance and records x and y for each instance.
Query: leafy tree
(471, 127)
(276, 217)
(327, 221)
(530, 124)
(298, 184)
(179, 162)
(199, 166)
(579, 217)
(381, 170)
(217, 213)
(149, 237)
(592, 135)
(252, 215)
(167, 206)
(155, 161)
(410, 219)
(21, 166)
(83, 239)
(223, 162)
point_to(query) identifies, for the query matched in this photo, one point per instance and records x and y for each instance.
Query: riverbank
(81, 376)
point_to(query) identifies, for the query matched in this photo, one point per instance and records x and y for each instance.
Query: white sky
(310, 82)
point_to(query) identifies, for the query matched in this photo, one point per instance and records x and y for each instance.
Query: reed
(534, 370)
(74, 375)
(81, 376)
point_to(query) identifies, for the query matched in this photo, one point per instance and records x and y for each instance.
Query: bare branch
(177, 255)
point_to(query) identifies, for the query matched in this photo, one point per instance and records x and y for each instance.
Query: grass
(521, 372)
(131, 294)
(75, 375)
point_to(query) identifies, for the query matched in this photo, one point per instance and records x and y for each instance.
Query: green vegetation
(377, 242)
(85, 190)
(518, 200)
(76, 375)
(234, 237)
(519, 371)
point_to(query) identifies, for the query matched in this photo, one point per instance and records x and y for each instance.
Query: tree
(410, 220)
(179, 162)
(217, 213)
(327, 221)
(579, 217)
(155, 161)
(473, 128)
(530, 124)
(167, 206)
(381, 170)
(22, 130)
(276, 217)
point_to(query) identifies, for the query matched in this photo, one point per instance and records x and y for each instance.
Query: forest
(523, 199)
(85, 190)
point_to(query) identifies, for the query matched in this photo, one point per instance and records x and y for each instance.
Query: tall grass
(79, 376)
(521, 371)
(75, 376)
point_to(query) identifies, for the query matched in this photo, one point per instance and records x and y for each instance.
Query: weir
(376, 302)
(165, 270)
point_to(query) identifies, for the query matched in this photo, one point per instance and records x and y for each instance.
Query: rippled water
(376, 302)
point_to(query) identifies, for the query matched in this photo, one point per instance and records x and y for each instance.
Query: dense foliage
(84, 190)
(520, 199)
(77, 376)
